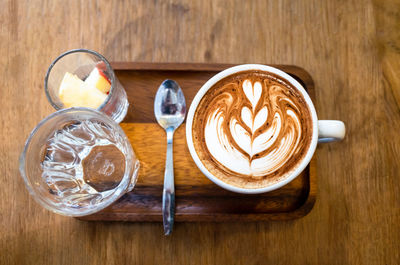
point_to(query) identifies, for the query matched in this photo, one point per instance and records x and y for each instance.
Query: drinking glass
(81, 62)
(56, 173)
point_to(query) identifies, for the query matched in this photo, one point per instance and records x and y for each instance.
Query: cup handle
(330, 131)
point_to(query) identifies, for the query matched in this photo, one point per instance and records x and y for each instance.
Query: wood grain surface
(349, 48)
(197, 198)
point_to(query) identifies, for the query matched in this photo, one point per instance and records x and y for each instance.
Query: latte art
(254, 127)
(242, 141)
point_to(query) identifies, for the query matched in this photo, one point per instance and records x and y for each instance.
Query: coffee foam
(251, 129)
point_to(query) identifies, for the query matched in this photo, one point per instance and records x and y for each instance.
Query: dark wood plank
(197, 198)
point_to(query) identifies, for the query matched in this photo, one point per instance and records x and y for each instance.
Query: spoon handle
(168, 201)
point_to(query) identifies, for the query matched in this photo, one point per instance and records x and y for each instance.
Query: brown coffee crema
(252, 129)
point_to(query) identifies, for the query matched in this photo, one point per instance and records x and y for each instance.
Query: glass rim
(118, 191)
(108, 65)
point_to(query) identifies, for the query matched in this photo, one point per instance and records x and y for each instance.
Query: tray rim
(297, 213)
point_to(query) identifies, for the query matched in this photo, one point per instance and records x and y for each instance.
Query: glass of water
(77, 161)
(80, 63)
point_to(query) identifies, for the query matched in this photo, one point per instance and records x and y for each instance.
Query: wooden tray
(197, 198)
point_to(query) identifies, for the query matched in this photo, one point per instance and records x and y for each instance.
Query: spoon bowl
(169, 105)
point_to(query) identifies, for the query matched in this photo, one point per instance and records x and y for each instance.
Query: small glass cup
(81, 62)
(53, 167)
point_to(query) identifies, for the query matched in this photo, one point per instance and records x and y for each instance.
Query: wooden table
(352, 50)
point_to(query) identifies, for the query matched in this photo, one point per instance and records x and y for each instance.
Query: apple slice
(93, 98)
(97, 79)
(75, 93)
(70, 91)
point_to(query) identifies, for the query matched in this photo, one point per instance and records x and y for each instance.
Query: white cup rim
(239, 68)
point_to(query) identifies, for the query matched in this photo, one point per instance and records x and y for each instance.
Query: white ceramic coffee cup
(323, 130)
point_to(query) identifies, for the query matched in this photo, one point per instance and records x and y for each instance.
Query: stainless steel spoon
(170, 111)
